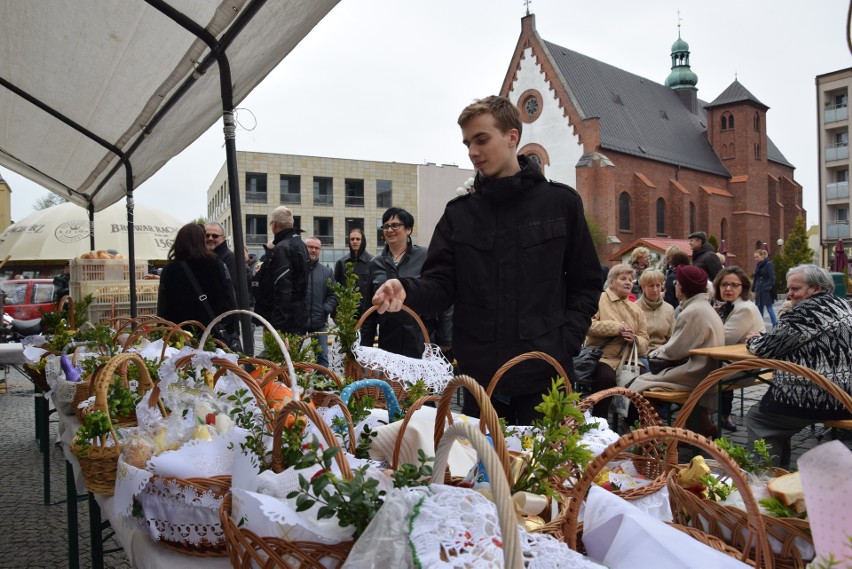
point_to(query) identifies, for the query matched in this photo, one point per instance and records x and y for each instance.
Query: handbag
(628, 370)
(585, 363)
(657, 365)
(230, 339)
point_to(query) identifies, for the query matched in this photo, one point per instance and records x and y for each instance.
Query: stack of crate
(107, 280)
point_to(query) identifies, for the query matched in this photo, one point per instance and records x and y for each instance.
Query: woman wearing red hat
(697, 326)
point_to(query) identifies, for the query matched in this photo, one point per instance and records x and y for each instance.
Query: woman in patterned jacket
(815, 333)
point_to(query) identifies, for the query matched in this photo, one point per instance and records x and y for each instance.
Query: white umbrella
(61, 232)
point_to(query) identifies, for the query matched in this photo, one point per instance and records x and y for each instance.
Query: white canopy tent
(97, 95)
(61, 232)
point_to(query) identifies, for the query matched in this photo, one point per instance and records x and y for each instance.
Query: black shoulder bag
(232, 340)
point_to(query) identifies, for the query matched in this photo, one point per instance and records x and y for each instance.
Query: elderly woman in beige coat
(616, 326)
(697, 326)
(659, 314)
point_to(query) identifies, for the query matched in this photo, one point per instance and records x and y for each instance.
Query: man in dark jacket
(321, 300)
(214, 239)
(516, 257)
(280, 285)
(703, 255)
(360, 259)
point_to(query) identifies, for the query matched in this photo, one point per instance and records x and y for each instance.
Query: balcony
(256, 197)
(836, 113)
(837, 229)
(839, 151)
(256, 238)
(837, 191)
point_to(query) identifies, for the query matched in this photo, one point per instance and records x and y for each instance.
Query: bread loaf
(788, 489)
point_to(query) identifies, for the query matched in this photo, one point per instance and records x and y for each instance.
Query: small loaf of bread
(788, 489)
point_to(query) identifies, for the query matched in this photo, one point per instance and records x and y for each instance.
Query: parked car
(27, 298)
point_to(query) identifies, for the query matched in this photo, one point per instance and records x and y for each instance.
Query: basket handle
(487, 417)
(499, 485)
(391, 401)
(498, 375)
(648, 416)
(751, 364)
(397, 447)
(281, 345)
(311, 413)
(61, 302)
(757, 530)
(103, 379)
(406, 309)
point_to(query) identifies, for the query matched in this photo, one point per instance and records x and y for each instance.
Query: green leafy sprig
(348, 307)
(756, 462)
(94, 425)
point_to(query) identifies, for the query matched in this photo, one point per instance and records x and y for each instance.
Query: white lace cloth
(433, 368)
(443, 527)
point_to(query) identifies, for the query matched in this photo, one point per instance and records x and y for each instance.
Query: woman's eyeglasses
(391, 226)
(730, 285)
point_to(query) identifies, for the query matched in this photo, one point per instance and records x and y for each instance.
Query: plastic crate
(116, 292)
(85, 270)
(104, 313)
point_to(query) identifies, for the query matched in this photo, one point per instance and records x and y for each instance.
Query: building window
(841, 139)
(840, 100)
(323, 191)
(661, 216)
(756, 122)
(530, 105)
(290, 188)
(730, 121)
(724, 230)
(380, 235)
(732, 151)
(354, 190)
(724, 151)
(757, 151)
(384, 193)
(256, 230)
(353, 223)
(724, 122)
(691, 217)
(624, 212)
(255, 187)
(297, 222)
(324, 230)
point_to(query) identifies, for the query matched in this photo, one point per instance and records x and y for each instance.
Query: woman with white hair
(615, 327)
(815, 333)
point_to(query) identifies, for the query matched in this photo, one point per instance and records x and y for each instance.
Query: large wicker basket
(727, 522)
(99, 462)
(247, 549)
(754, 549)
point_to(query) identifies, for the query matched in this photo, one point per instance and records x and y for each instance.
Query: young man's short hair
(506, 115)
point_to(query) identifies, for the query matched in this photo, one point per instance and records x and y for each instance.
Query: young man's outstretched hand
(390, 296)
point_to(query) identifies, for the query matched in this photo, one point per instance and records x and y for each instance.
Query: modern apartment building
(330, 196)
(832, 90)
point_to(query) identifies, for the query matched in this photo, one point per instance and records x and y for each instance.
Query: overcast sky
(386, 79)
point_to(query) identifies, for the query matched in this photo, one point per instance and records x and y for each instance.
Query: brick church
(649, 159)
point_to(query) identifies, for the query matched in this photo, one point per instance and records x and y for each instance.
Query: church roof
(735, 93)
(641, 117)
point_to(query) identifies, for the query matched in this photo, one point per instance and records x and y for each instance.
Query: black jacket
(361, 267)
(517, 259)
(398, 332)
(321, 300)
(705, 258)
(177, 300)
(286, 268)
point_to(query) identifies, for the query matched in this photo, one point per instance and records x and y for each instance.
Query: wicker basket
(99, 462)
(38, 377)
(650, 457)
(529, 356)
(247, 549)
(726, 522)
(754, 541)
(354, 371)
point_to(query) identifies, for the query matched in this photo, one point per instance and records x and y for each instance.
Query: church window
(730, 121)
(530, 105)
(624, 212)
(756, 122)
(724, 122)
(691, 217)
(661, 216)
(757, 151)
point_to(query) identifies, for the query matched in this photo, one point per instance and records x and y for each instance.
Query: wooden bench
(838, 424)
(680, 397)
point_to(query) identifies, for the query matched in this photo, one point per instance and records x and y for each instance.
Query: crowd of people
(511, 268)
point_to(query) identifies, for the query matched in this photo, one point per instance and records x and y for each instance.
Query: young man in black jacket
(516, 259)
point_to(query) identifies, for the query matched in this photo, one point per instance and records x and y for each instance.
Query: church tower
(682, 79)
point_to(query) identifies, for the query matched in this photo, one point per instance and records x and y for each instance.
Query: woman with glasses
(741, 318)
(398, 333)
